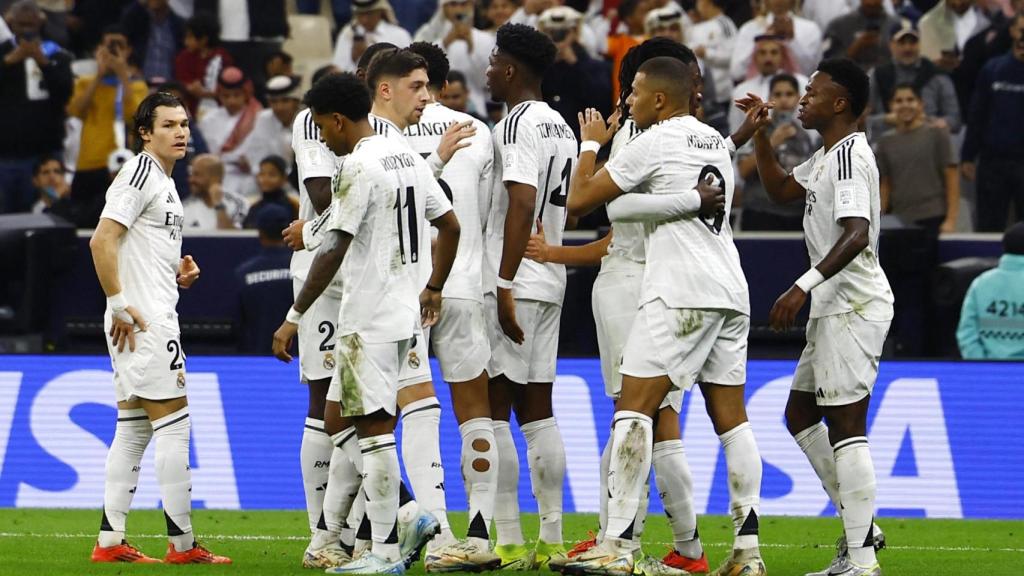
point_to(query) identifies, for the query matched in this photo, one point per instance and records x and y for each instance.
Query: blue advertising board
(945, 437)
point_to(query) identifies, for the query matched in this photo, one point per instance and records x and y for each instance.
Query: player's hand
(748, 102)
(593, 126)
(122, 329)
(188, 272)
(948, 226)
(712, 197)
(507, 316)
(537, 247)
(430, 307)
(970, 170)
(785, 309)
(455, 138)
(283, 341)
(292, 235)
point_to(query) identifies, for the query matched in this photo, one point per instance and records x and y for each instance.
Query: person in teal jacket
(992, 317)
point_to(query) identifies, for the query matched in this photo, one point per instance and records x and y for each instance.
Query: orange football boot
(123, 552)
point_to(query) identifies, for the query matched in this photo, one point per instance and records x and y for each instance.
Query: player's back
(466, 179)
(144, 200)
(692, 262)
(383, 197)
(534, 146)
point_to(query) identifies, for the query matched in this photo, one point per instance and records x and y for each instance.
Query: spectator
(632, 15)
(906, 10)
(251, 30)
(995, 41)
(373, 21)
(802, 38)
(468, 49)
(105, 103)
(936, 89)
(455, 94)
(264, 284)
(918, 176)
(992, 317)
(668, 22)
(272, 132)
(51, 188)
(497, 12)
(226, 127)
(861, 35)
(946, 28)
(793, 146)
(279, 64)
(770, 58)
(196, 144)
(87, 21)
(210, 207)
(823, 12)
(156, 34)
(198, 66)
(712, 40)
(272, 178)
(35, 83)
(994, 137)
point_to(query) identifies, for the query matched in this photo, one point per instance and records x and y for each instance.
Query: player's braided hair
(528, 46)
(637, 55)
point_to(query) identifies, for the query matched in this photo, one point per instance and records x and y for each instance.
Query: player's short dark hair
(171, 86)
(277, 162)
(342, 93)
(850, 76)
(456, 76)
(397, 63)
(323, 71)
(437, 63)
(204, 25)
(907, 86)
(528, 46)
(651, 48)
(45, 159)
(670, 71)
(787, 78)
(145, 114)
(371, 51)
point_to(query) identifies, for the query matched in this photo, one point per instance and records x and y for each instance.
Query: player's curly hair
(637, 55)
(850, 76)
(527, 45)
(437, 63)
(342, 93)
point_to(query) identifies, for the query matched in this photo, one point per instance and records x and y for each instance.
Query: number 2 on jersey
(411, 222)
(560, 194)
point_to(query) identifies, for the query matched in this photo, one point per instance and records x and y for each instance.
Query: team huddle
(418, 224)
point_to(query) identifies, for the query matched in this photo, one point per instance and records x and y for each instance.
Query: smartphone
(782, 116)
(463, 17)
(558, 35)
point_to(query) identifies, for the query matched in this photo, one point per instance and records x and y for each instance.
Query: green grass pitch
(50, 542)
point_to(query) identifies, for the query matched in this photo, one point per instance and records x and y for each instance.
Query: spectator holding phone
(468, 49)
(946, 28)
(372, 21)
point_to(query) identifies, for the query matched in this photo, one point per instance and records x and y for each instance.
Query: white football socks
(480, 471)
(629, 470)
(421, 453)
(856, 475)
(814, 443)
(546, 454)
(675, 484)
(743, 460)
(171, 435)
(506, 501)
(342, 486)
(380, 484)
(606, 459)
(131, 436)
(314, 459)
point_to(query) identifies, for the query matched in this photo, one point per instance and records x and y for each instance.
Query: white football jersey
(465, 178)
(843, 183)
(384, 197)
(692, 262)
(143, 199)
(627, 237)
(532, 145)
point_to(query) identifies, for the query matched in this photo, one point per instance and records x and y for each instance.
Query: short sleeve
(130, 193)
(944, 144)
(635, 162)
(312, 156)
(351, 199)
(851, 178)
(520, 152)
(436, 204)
(802, 173)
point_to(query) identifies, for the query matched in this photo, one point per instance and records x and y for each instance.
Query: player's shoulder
(849, 151)
(141, 173)
(516, 122)
(303, 127)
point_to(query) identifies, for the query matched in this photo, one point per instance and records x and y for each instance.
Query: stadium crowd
(945, 75)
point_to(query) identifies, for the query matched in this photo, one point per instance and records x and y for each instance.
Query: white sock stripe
(850, 442)
(436, 406)
(622, 415)
(344, 436)
(809, 434)
(668, 447)
(415, 405)
(315, 425)
(538, 425)
(476, 425)
(170, 419)
(131, 414)
(731, 435)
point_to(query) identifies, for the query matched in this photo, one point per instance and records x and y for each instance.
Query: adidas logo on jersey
(170, 198)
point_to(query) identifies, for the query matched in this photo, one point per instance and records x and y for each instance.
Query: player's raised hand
(283, 341)
(537, 247)
(593, 127)
(712, 197)
(122, 329)
(785, 309)
(747, 102)
(507, 316)
(455, 138)
(430, 307)
(292, 235)
(188, 272)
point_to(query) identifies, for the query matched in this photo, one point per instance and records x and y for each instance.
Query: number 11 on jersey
(410, 230)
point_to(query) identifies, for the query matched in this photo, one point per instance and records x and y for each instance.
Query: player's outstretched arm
(706, 198)
(589, 254)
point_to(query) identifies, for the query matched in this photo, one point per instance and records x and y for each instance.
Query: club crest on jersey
(414, 360)
(181, 380)
(329, 361)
